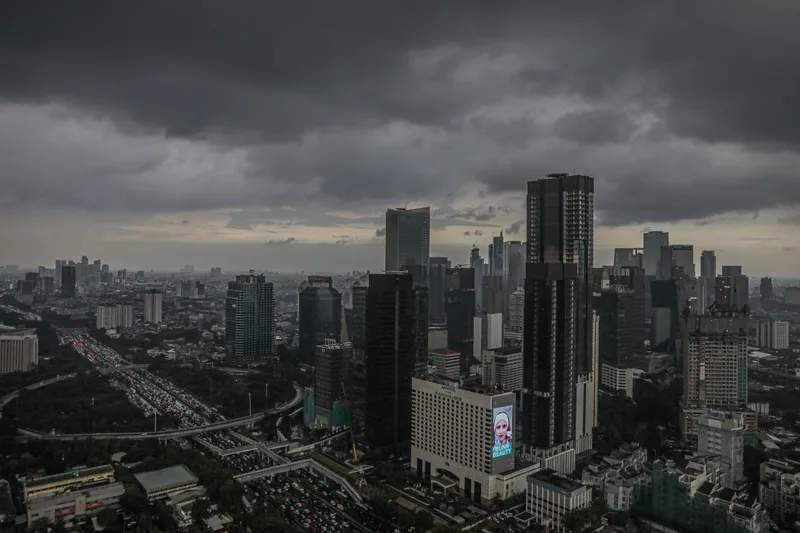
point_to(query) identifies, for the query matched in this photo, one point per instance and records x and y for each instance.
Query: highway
(168, 433)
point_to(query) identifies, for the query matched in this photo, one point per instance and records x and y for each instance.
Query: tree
(423, 520)
(107, 517)
(201, 509)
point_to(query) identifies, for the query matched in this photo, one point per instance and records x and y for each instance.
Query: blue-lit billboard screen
(502, 426)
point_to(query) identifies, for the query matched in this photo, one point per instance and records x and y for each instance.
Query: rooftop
(507, 350)
(78, 473)
(551, 477)
(446, 351)
(166, 478)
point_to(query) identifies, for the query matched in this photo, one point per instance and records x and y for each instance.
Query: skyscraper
(358, 293)
(496, 252)
(514, 266)
(653, 241)
(331, 381)
(391, 356)
(558, 315)
(460, 297)
(68, 281)
(249, 319)
(408, 240)
(437, 277)
(708, 264)
(320, 315)
(677, 260)
(628, 257)
(766, 289)
(153, 301)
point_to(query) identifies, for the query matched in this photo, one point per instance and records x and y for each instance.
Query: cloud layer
(310, 108)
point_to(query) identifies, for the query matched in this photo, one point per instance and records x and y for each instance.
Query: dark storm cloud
(380, 232)
(515, 227)
(638, 94)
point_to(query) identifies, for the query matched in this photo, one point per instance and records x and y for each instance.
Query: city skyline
(164, 152)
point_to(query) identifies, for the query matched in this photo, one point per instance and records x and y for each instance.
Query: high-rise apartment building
(721, 433)
(391, 353)
(651, 259)
(320, 315)
(477, 266)
(516, 318)
(153, 306)
(708, 264)
(558, 315)
(19, 350)
(408, 241)
(68, 281)
(715, 364)
(114, 316)
(249, 319)
(332, 362)
(772, 334)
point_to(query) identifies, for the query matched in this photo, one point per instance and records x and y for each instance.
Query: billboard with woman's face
(502, 426)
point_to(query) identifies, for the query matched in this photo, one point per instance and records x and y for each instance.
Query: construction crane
(352, 431)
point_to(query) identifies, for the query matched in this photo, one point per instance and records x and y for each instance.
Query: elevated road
(168, 433)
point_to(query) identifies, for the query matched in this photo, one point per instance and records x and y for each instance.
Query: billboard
(502, 427)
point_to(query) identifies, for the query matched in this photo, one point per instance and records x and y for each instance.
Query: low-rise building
(502, 368)
(60, 483)
(617, 378)
(19, 350)
(551, 496)
(618, 475)
(158, 484)
(447, 363)
(779, 488)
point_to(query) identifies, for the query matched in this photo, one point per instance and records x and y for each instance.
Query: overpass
(302, 465)
(344, 432)
(168, 433)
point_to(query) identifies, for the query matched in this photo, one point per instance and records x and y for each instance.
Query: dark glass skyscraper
(436, 299)
(460, 297)
(408, 241)
(391, 355)
(68, 280)
(249, 320)
(558, 309)
(320, 315)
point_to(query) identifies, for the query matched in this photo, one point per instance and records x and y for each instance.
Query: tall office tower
(514, 266)
(653, 241)
(153, 303)
(331, 382)
(68, 281)
(249, 319)
(731, 270)
(477, 266)
(772, 334)
(586, 386)
(320, 315)
(83, 268)
(437, 279)
(628, 257)
(496, 253)
(460, 297)
(59, 264)
(714, 365)
(733, 287)
(619, 333)
(558, 316)
(408, 240)
(630, 279)
(421, 311)
(493, 295)
(487, 334)
(766, 289)
(391, 356)
(105, 269)
(708, 264)
(677, 261)
(358, 294)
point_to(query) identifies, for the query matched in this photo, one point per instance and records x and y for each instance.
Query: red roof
(447, 351)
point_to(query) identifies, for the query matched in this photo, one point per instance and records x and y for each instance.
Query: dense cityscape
(531, 390)
(446, 266)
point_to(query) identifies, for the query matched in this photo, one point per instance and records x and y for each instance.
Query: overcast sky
(261, 134)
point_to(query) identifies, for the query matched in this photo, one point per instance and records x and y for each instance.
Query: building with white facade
(772, 334)
(447, 363)
(779, 488)
(501, 368)
(617, 378)
(114, 316)
(551, 496)
(618, 475)
(487, 333)
(586, 386)
(19, 350)
(153, 305)
(721, 433)
(464, 437)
